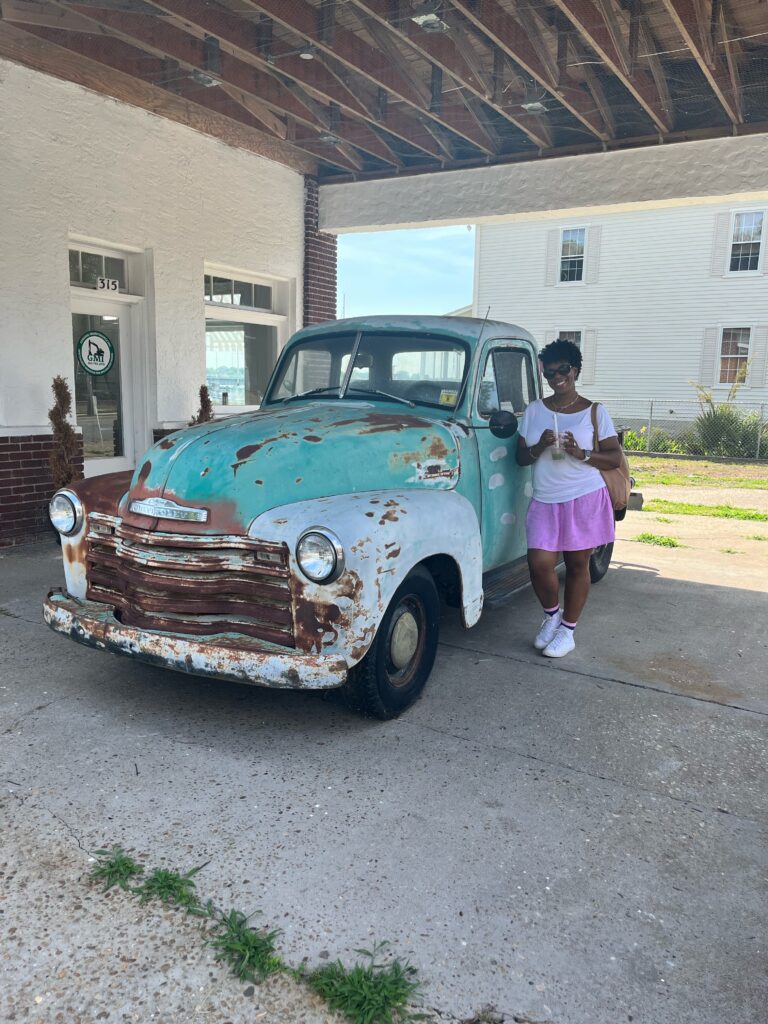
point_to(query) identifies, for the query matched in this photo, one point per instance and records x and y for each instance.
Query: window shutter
(552, 258)
(593, 253)
(720, 244)
(759, 354)
(588, 355)
(708, 364)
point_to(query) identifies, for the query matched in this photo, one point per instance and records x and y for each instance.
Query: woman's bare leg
(546, 585)
(576, 583)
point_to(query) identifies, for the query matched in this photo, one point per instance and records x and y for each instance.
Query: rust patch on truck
(313, 438)
(243, 454)
(313, 622)
(166, 444)
(144, 472)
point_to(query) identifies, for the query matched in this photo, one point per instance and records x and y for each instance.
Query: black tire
(379, 685)
(599, 562)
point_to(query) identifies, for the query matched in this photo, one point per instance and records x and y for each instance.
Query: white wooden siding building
(659, 299)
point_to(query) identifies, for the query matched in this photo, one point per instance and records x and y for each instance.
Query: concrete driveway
(581, 842)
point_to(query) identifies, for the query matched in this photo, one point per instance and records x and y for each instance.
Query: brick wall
(319, 262)
(25, 487)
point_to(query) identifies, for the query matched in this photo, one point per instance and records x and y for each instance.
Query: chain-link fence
(736, 429)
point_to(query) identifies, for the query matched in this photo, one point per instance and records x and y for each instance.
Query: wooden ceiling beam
(507, 33)
(301, 17)
(441, 50)
(160, 37)
(27, 48)
(588, 20)
(697, 36)
(244, 40)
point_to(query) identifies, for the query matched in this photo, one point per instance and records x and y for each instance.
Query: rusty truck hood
(243, 466)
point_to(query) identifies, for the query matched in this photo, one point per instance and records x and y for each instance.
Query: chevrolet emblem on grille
(163, 508)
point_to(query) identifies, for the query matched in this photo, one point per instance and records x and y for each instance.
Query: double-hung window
(746, 241)
(245, 326)
(572, 336)
(572, 249)
(734, 354)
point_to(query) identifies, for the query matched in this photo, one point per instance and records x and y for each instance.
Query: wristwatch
(587, 455)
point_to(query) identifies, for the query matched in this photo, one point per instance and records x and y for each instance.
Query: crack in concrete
(39, 707)
(69, 829)
(659, 795)
(603, 679)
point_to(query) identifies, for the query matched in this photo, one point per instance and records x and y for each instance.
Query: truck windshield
(423, 369)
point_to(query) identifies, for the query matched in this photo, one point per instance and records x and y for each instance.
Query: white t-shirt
(564, 479)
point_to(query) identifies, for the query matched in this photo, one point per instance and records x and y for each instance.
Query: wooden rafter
(161, 38)
(696, 32)
(301, 17)
(587, 19)
(506, 32)
(442, 51)
(26, 47)
(243, 39)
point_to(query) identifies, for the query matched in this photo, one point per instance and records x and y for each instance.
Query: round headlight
(66, 512)
(320, 556)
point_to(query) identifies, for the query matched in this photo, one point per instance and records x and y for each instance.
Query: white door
(104, 397)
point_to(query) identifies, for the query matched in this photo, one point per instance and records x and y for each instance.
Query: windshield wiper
(382, 394)
(303, 394)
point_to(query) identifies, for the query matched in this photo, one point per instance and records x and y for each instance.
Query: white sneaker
(547, 630)
(562, 643)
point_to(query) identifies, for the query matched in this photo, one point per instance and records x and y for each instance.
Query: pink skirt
(576, 525)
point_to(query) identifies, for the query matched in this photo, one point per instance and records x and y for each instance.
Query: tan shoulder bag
(617, 480)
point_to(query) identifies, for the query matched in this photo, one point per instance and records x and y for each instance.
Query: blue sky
(423, 270)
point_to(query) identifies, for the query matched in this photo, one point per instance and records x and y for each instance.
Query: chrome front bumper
(239, 658)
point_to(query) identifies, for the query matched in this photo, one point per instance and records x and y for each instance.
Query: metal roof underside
(356, 89)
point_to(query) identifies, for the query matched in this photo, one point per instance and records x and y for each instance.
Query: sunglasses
(559, 371)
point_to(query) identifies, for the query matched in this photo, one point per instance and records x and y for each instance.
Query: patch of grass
(730, 551)
(758, 536)
(114, 867)
(660, 542)
(171, 887)
(663, 519)
(685, 508)
(697, 473)
(370, 992)
(250, 953)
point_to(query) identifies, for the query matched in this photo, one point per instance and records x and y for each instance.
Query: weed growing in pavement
(370, 992)
(250, 953)
(171, 887)
(114, 867)
(661, 542)
(730, 551)
(685, 508)
(758, 536)
(663, 519)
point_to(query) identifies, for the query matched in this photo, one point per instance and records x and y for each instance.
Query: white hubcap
(404, 641)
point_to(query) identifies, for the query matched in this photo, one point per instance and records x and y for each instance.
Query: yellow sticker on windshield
(448, 397)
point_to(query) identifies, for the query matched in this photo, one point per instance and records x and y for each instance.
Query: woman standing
(571, 509)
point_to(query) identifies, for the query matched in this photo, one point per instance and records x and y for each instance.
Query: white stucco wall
(659, 176)
(655, 283)
(76, 163)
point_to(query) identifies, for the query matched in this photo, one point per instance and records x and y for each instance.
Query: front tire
(395, 670)
(599, 561)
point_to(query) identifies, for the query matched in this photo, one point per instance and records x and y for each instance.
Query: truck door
(507, 382)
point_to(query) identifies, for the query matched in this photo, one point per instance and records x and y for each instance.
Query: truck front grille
(199, 585)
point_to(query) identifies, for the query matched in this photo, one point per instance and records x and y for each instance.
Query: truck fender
(383, 534)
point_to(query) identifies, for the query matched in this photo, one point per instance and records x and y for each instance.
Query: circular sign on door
(95, 353)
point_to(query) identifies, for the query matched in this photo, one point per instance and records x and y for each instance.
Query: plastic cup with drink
(558, 451)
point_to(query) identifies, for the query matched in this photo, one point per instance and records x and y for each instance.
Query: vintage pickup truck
(308, 544)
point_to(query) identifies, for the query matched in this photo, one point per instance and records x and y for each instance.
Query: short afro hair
(561, 351)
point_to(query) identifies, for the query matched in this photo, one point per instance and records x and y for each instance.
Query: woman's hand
(571, 447)
(547, 439)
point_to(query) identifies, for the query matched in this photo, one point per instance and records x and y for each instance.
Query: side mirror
(502, 424)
